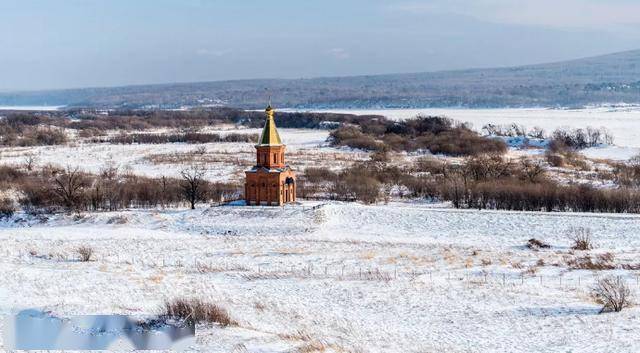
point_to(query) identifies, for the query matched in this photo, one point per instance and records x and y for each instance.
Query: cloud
(339, 53)
(594, 14)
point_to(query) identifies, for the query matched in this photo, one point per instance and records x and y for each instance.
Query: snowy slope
(348, 277)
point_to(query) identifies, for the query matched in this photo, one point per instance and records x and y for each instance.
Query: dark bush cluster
(190, 137)
(29, 130)
(439, 135)
(581, 138)
(628, 174)
(53, 189)
(481, 182)
(364, 182)
(137, 120)
(46, 128)
(7, 208)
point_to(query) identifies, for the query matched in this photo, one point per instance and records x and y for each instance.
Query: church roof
(270, 136)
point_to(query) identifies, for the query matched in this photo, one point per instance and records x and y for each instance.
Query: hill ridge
(608, 78)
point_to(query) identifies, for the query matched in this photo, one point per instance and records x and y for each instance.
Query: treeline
(53, 189)
(28, 130)
(189, 137)
(48, 128)
(575, 138)
(480, 182)
(137, 120)
(438, 135)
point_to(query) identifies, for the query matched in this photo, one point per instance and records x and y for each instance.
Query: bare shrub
(530, 271)
(535, 244)
(554, 159)
(486, 167)
(10, 174)
(319, 175)
(612, 292)
(29, 161)
(85, 252)
(581, 238)
(531, 170)
(7, 209)
(197, 311)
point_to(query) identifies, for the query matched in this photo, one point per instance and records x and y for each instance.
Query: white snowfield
(224, 161)
(333, 277)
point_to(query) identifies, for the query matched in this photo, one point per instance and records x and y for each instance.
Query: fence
(578, 279)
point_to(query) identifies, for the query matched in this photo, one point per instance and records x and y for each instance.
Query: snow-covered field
(337, 277)
(623, 122)
(332, 277)
(224, 161)
(40, 108)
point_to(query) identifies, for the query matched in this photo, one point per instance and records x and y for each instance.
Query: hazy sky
(81, 43)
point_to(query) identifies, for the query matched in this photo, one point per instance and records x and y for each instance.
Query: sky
(50, 44)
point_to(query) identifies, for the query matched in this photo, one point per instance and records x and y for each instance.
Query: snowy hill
(610, 78)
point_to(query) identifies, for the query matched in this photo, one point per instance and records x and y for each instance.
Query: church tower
(271, 182)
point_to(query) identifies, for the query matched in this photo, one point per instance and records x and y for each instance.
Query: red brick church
(270, 182)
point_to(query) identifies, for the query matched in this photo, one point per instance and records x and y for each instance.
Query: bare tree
(613, 293)
(532, 170)
(29, 161)
(193, 184)
(69, 186)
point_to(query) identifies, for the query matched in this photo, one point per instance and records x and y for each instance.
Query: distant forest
(613, 78)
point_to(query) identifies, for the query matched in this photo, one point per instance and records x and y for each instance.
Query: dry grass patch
(209, 268)
(299, 335)
(601, 262)
(311, 347)
(197, 311)
(368, 255)
(290, 251)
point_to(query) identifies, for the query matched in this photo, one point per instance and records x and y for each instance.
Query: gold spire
(270, 134)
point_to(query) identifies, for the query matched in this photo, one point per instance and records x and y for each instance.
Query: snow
(522, 142)
(397, 277)
(32, 107)
(224, 161)
(612, 152)
(402, 277)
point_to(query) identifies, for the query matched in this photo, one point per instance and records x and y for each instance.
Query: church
(271, 182)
